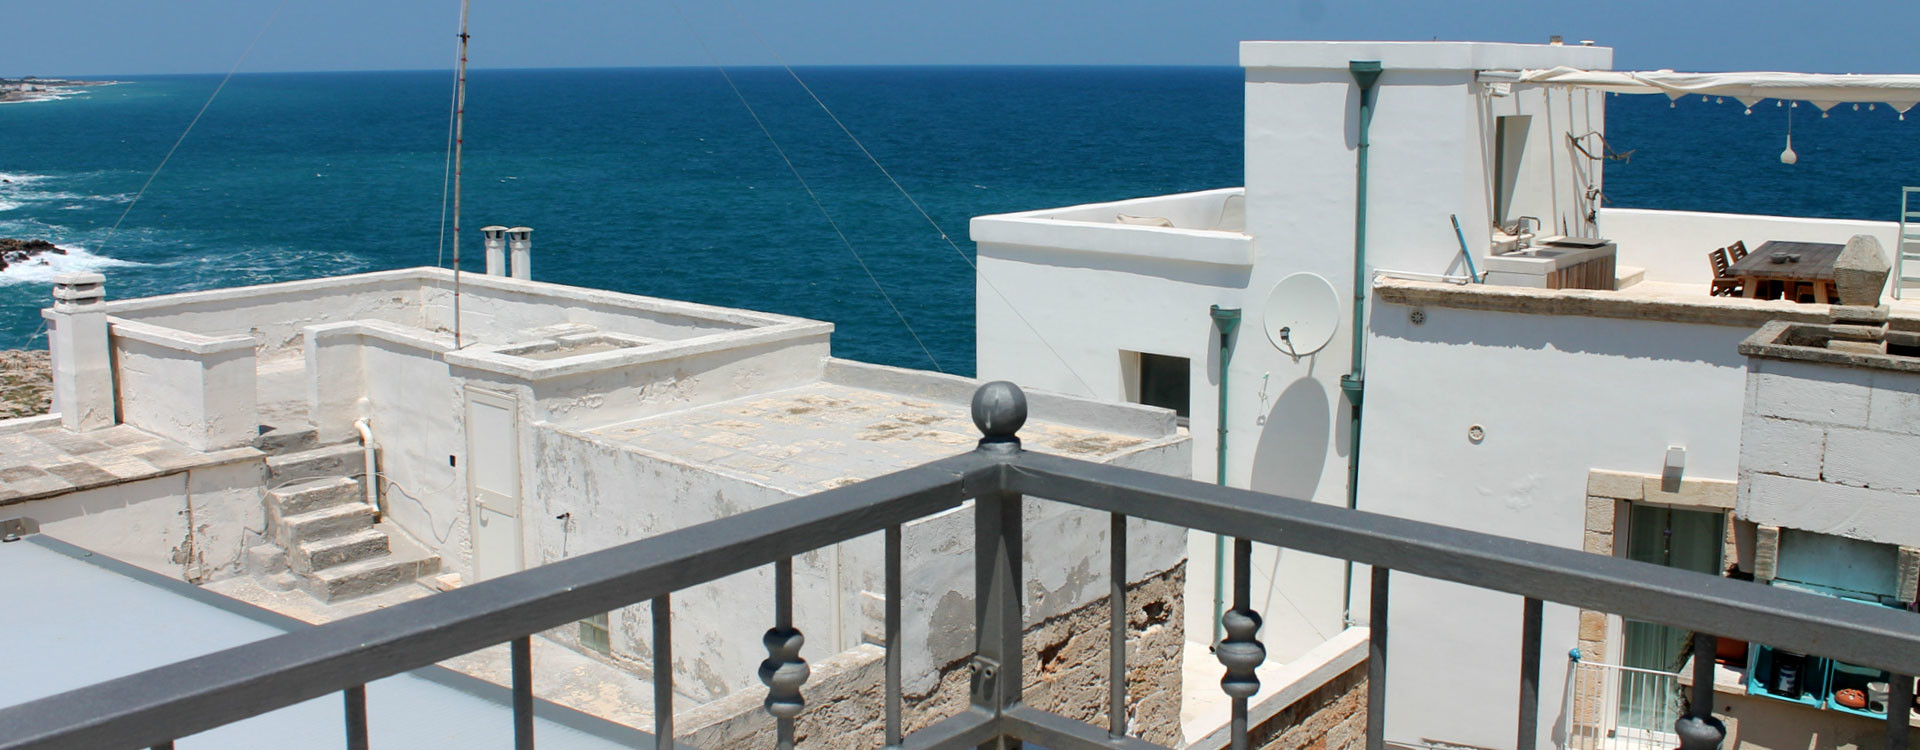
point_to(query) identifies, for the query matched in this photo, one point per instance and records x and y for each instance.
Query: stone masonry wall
(1334, 717)
(1066, 673)
(26, 383)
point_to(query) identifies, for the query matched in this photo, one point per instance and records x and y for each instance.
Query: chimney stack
(520, 246)
(495, 239)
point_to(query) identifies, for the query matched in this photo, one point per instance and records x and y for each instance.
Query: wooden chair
(1736, 251)
(1723, 285)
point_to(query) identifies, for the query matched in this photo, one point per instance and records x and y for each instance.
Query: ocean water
(657, 182)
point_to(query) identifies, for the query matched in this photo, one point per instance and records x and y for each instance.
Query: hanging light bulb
(1856, 107)
(1719, 100)
(1788, 156)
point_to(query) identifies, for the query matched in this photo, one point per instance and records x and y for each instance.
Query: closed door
(1677, 538)
(493, 482)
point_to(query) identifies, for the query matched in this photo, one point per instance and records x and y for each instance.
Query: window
(1164, 382)
(595, 634)
(1509, 151)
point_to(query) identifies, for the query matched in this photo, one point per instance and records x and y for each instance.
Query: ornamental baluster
(1239, 652)
(784, 671)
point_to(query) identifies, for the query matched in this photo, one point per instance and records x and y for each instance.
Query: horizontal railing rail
(153, 708)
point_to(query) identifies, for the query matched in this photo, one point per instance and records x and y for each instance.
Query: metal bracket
(986, 680)
(12, 529)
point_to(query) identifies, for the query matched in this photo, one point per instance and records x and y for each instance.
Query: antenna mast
(459, 126)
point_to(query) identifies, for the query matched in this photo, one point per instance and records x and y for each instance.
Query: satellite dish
(1302, 313)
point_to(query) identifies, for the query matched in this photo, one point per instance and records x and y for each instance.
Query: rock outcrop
(15, 252)
(26, 383)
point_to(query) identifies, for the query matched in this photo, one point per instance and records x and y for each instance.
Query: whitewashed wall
(192, 526)
(1557, 396)
(1091, 295)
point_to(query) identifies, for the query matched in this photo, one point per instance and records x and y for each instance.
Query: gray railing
(155, 707)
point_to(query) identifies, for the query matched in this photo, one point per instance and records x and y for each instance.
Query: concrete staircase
(324, 536)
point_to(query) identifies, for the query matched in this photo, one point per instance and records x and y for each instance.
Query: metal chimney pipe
(520, 246)
(495, 240)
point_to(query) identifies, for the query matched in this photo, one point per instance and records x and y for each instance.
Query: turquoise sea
(656, 181)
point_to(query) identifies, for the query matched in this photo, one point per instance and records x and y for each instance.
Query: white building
(1500, 407)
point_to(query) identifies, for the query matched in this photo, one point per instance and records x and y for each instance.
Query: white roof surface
(73, 619)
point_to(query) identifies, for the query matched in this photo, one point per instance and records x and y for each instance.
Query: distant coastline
(31, 89)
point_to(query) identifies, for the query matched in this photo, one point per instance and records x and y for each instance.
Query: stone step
(311, 495)
(321, 554)
(337, 520)
(1626, 276)
(343, 460)
(406, 565)
(282, 439)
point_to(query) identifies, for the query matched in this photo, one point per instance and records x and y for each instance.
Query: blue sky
(105, 37)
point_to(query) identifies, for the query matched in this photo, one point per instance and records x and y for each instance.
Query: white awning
(1900, 92)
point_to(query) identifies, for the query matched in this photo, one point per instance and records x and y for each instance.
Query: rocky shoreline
(32, 89)
(15, 252)
(26, 383)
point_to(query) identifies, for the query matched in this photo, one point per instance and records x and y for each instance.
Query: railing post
(999, 409)
(1240, 652)
(1699, 730)
(520, 653)
(1899, 706)
(355, 699)
(1117, 627)
(895, 658)
(1529, 674)
(784, 671)
(1377, 661)
(662, 607)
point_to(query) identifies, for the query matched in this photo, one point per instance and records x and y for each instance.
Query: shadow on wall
(1293, 446)
(1635, 339)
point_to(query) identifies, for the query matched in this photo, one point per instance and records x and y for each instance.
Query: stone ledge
(1719, 494)
(1737, 312)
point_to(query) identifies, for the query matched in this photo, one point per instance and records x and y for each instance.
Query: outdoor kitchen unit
(1556, 263)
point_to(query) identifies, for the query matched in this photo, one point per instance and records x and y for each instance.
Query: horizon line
(1009, 66)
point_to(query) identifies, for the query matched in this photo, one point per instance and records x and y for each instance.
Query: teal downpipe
(1366, 73)
(1226, 321)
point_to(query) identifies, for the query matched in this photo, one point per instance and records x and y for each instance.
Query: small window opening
(595, 634)
(1165, 382)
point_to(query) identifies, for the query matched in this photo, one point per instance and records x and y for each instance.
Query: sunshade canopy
(1900, 92)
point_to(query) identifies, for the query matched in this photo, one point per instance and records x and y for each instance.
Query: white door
(493, 482)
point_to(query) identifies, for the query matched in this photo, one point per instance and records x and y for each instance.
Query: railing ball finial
(784, 672)
(1240, 653)
(1699, 733)
(999, 410)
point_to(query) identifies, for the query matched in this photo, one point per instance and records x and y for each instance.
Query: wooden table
(1815, 267)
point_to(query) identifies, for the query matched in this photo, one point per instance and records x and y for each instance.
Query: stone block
(1894, 405)
(1619, 485)
(1781, 446)
(1766, 552)
(1810, 392)
(1908, 585)
(1597, 542)
(1863, 458)
(1593, 626)
(1600, 512)
(1853, 512)
(1693, 493)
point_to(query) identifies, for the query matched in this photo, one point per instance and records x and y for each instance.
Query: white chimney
(495, 239)
(520, 246)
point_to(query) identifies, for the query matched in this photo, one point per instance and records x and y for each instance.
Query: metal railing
(155, 707)
(1614, 707)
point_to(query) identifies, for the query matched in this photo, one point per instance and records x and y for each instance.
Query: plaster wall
(1091, 298)
(500, 310)
(277, 315)
(194, 526)
(202, 397)
(416, 409)
(1556, 396)
(703, 376)
(1673, 245)
(586, 494)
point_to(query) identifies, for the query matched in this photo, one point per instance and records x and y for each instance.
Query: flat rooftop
(68, 616)
(825, 435)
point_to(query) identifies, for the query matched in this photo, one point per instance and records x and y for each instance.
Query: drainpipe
(1226, 321)
(1366, 74)
(373, 474)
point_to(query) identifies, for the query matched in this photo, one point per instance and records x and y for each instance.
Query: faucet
(1523, 239)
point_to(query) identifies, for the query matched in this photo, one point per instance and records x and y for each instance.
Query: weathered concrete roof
(52, 460)
(824, 435)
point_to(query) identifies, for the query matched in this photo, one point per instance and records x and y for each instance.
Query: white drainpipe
(373, 476)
